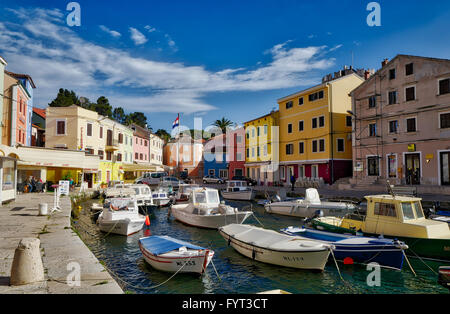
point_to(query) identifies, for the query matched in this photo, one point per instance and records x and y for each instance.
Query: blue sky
(208, 59)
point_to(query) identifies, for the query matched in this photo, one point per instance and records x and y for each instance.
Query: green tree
(164, 135)
(223, 124)
(119, 115)
(65, 98)
(138, 118)
(103, 107)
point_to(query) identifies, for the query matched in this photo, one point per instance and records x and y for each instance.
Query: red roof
(39, 111)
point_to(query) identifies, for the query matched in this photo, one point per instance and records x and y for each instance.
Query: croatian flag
(176, 122)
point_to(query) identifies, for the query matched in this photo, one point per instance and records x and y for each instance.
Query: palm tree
(223, 124)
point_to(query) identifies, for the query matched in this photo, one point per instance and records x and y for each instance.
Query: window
(392, 97)
(321, 145)
(314, 146)
(61, 127)
(444, 86)
(385, 209)
(265, 149)
(266, 128)
(100, 153)
(410, 93)
(300, 101)
(101, 132)
(89, 151)
(409, 69)
(300, 125)
(239, 157)
(289, 149)
(9, 174)
(257, 131)
(289, 128)
(289, 104)
(89, 129)
(119, 157)
(248, 134)
(419, 210)
(315, 96)
(373, 129)
(301, 147)
(408, 212)
(340, 145)
(248, 153)
(108, 156)
(392, 74)
(348, 121)
(257, 151)
(321, 122)
(314, 123)
(136, 156)
(445, 120)
(141, 157)
(411, 125)
(253, 152)
(393, 126)
(372, 101)
(145, 143)
(223, 173)
(392, 166)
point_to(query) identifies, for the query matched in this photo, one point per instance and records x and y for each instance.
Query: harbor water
(239, 274)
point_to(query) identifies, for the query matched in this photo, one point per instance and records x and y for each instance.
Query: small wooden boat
(396, 217)
(356, 249)
(271, 247)
(172, 255)
(309, 206)
(120, 216)
(444, 276)
(238, 190)
(205, 210)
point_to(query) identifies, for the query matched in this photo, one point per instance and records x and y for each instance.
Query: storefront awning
(139, 167)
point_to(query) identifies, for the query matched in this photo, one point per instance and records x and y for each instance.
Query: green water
(238, 274)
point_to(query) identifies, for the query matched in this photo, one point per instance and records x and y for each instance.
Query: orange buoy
(348, 261)
(147, 221)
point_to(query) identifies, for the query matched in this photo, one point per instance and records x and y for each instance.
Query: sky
(208, 59)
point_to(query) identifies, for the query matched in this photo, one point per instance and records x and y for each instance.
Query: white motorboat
(120, 216)
(142, 193)
(161, 197)
(172, 255)
(271, 247)
(309, 206)
(205, 210)
(184, 190)
(238, 190)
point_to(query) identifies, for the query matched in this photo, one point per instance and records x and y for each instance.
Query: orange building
(184, 153)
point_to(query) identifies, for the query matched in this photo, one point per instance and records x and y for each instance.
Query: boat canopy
(312, 196)
(162, 244)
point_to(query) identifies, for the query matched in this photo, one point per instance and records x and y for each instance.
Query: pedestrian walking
(292, 182)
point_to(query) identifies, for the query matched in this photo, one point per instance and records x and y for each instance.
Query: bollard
(27, 264)
(43, 209)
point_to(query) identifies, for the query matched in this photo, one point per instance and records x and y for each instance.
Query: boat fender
(253, 254)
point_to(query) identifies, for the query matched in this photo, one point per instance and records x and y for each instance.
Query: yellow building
(315, 129)
(76, 128)
(261, 148)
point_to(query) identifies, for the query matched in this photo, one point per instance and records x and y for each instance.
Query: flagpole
(178, 144)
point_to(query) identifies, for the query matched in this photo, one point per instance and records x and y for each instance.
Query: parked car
(151, 178)
(212, 179)
(249, 181)
(170, 181)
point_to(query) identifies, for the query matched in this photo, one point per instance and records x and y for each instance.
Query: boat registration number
(293, 258)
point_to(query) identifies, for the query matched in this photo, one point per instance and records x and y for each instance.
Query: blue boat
(356, 249)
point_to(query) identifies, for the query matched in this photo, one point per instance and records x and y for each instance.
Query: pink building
(141, 138)
(401, 124)
(236, 152)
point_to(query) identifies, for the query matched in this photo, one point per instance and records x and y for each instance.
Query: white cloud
(109, 31)
(137, 36)
(150, 29)
(57, 57)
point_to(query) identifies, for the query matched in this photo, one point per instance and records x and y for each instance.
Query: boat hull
(209, 221)
(313, 260)
(305, 211)
(160, 202)
(183, 264)
(239, 195)
(125, 226)
(436, 249)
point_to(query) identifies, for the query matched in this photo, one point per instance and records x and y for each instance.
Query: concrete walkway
(61, 248)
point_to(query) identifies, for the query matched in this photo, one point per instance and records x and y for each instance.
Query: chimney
(367, 75)
(384, 62)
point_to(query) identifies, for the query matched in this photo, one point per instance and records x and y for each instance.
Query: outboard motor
(318, 213)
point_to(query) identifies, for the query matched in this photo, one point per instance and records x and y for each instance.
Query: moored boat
(356, 249)
(271, 247)
(238, 190)
(205, 210)
(160, 197)
(184, 190)
(398, 217)
(172, 255)
(309, 206)
(120, 216)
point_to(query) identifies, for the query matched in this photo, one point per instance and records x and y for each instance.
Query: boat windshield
(200, 197)
(419, 210)
(207, 197)
(213, 197)
(408, 211)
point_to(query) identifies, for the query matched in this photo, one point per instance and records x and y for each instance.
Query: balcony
(112, 145)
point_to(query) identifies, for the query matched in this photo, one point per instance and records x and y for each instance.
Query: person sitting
(33, 184)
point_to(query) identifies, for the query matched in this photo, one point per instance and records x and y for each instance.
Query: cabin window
(385, 209)
(213, 197)
(419, 211)
(408, 212)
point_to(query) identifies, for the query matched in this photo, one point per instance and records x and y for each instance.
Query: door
(238, 172)
(109, 138)
(445, 168)
(314, 171)
(372, 166)
(412, 172)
